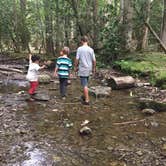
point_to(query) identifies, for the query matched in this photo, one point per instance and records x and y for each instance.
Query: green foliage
(111, 35)
(150, 64)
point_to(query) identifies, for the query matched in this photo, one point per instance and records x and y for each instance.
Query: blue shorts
(84, 81)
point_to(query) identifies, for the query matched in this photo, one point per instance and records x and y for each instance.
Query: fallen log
(121, 82)
(11, 69)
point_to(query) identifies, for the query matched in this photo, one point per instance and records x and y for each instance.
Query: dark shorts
(84, 81)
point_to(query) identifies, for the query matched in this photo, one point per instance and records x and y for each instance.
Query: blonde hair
(66, 50)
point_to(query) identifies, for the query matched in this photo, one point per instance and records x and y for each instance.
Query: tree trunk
(121, 11)
(163, 27)
(15, 33)
(49, 28)
(128, 25)
(74, 6)
(24, 33)
(95, 29)
(156, 36)
(57, 28)
(145, 28)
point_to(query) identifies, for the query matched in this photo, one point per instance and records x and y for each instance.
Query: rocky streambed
(46, 133)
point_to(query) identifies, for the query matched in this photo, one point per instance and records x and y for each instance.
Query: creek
(47, 133)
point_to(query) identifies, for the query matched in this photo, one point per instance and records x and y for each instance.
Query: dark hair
(84, 39)
(35, 58)
(66, 50)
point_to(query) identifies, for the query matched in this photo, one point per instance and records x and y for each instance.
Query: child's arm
(55, 72)
(30, 61)
(70, 70)
(42, 67)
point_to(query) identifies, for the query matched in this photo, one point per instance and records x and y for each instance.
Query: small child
(62, 70)
(33, 72)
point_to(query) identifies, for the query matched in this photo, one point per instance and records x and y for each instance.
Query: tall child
(33, 72)
(62, 70)
(85, 63)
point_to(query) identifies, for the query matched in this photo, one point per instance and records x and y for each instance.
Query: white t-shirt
(86, 56)
(33, 72)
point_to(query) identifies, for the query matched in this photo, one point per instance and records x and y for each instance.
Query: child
(33, 72)
(62, 70)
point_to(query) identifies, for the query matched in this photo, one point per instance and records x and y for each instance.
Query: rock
(154, 124)
(152, 104)
(69, 125)
(55, 110)
(139, 153)
(149, 111)
(44, 78)
(164, 147)
(85, 131)
(41, 97)
(141, 84)
(85, 122)
(100, 91)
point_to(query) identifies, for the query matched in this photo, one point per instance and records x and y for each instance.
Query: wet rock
(152, 104)
(163, 139)
(110, 148)
(148, 111)
(141, 84)
(41, 97)
(164, 147)
(85, 122)
(85, 131)
(154, 124)
(44, 78)
(100, 91)
(69, 125)
(139, 153)
(56, 158)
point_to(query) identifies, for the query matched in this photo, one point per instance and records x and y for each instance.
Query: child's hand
(55, 74)
(44, 66)
(70, 75)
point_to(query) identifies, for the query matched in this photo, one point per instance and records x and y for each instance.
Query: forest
(112, 115)
(114, 26)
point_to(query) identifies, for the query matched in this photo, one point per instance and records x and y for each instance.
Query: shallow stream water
(47, 133)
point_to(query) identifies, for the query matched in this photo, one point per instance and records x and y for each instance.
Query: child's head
(65, 51)
(35, 58)
(84, 39)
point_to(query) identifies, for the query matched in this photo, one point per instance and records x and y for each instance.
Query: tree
(145, 28)
(163, 26)
(127, 11)
(49, 27)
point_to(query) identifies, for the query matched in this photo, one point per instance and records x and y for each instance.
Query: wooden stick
(11, 69)
(129, 122)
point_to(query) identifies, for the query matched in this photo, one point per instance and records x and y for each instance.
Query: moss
(152, 65)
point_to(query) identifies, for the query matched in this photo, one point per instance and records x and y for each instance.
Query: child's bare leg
(86, 94)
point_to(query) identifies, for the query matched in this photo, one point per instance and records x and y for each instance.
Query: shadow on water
(47, 133)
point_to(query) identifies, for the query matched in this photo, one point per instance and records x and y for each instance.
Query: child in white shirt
(33, 72)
